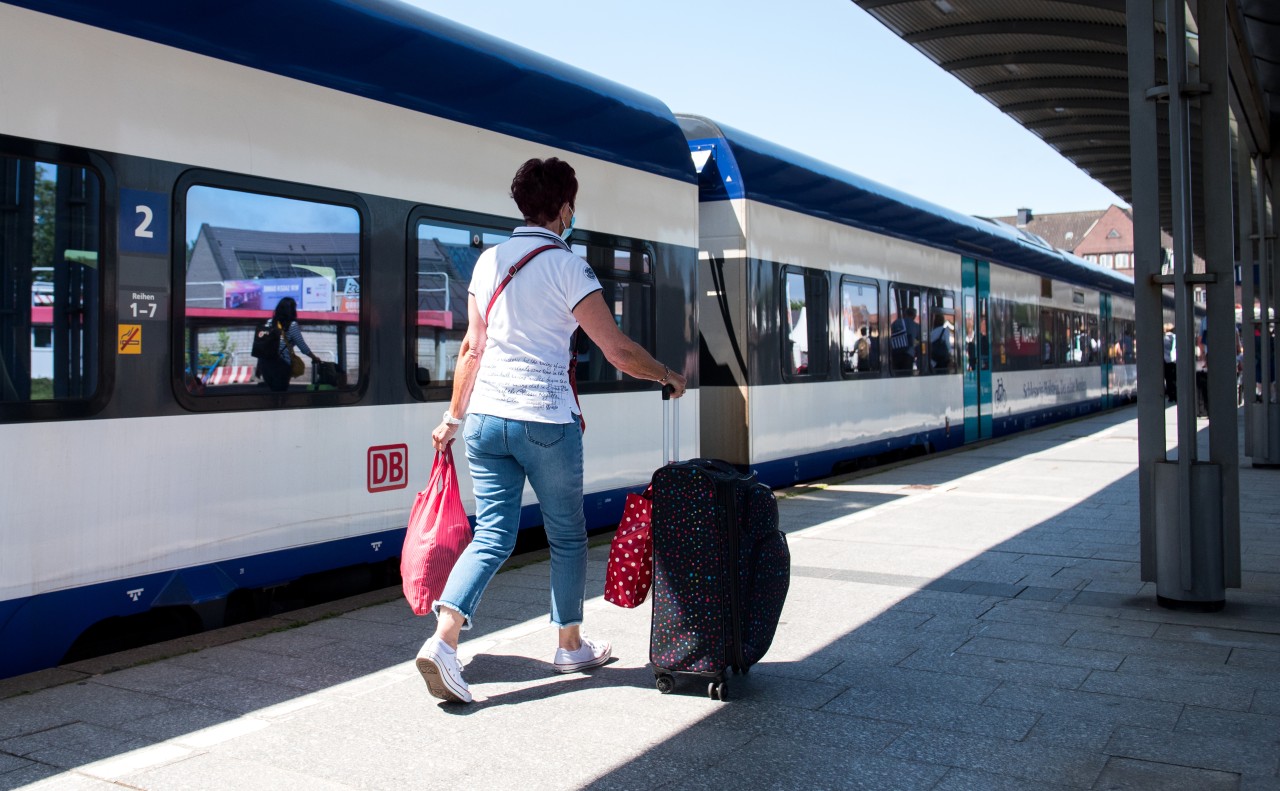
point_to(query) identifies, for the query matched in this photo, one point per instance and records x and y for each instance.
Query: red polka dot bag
(630, 571)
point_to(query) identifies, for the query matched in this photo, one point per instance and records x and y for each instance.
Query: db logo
(388, 467)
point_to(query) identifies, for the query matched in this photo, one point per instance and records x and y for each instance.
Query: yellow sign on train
(130, 339)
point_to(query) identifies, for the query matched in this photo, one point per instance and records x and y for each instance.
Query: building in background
(1104, 236)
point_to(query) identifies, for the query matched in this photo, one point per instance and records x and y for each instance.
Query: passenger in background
(1128, 351)
(1265, 389)
(942, 343)
(512, 376)
(904, 341)
(980, 348)
(863, 360)
(1170, 364)
(277, 371)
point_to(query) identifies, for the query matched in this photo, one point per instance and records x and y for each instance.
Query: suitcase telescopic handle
(670, 426)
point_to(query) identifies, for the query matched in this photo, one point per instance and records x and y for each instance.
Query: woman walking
(521, 418)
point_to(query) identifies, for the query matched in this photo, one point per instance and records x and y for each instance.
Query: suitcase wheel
(665, 683)
(718, 690)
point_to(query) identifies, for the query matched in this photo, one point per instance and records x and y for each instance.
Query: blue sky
(818, 76)
(223, 208)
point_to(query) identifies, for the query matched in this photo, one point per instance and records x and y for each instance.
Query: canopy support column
(1189, 508)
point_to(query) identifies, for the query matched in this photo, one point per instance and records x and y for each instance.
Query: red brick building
(1104, 237)
(1109, 241)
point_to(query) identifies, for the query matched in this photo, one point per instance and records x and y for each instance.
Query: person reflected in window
(866, 351)
(1127, 347)
(904, 340)
(942, 343)
(277, 371)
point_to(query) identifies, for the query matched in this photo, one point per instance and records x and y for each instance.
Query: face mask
(569, 228)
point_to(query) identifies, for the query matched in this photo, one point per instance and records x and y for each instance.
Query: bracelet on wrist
(451, 420)
(666, 374)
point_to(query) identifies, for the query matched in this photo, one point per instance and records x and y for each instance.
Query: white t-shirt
(524, 371)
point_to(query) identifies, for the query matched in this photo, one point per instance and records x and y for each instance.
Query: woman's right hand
(678, 382)
(443, 435)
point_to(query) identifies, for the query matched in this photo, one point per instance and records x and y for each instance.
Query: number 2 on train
(144, 222)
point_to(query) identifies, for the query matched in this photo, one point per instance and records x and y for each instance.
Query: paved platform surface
(969, 621)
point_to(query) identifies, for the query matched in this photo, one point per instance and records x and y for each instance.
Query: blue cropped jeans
(501, 453)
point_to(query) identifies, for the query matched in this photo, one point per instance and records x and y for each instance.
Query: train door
(975, 287)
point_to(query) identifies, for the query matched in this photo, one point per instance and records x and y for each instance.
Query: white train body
(198, 160)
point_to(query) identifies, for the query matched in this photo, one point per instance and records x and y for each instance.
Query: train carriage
(180, 167)
(843, 319)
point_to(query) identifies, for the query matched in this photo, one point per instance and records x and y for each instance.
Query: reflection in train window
(626, 280)
(905, 336)
(804, 313)
(941, 339)
(1015, 335)
(1051, 327)
(859, 328)
(445, 257)
(253, 260)
(50, 300)
(1091, 343)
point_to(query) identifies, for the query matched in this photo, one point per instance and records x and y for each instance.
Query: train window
(624, 270)
(1074, 336)
(1126, 351)
(1050, 322)
(50, 282)
(258, 262)
(941, 336)
(629, 261)
(1091, 342)
(859, 328)
(977, 342)
(445, 256)
(905, 338)
(1015, 331)
(804, 312)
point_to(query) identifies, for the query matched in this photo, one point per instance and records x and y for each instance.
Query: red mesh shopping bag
(630, 570)
(438, 532)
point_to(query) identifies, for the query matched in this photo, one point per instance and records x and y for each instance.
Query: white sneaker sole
(587, 665)
(438, 682)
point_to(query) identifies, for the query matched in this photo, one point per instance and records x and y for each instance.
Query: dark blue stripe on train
(809, 466)
(745, 166)
(37, 631)
(401, 55)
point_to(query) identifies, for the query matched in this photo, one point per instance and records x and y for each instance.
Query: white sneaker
(591, 654)
(438, 664)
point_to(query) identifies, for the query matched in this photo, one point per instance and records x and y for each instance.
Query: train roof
(395, 53)
(755, 169)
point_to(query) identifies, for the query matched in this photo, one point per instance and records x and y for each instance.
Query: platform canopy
(1059, 68)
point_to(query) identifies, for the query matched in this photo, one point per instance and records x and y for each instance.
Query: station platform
(972, 620)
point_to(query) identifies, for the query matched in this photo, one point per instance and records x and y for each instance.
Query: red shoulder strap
(512, 273)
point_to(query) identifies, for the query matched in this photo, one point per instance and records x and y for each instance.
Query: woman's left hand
(443, 435)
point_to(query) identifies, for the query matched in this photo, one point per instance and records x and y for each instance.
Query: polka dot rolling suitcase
(721, 572)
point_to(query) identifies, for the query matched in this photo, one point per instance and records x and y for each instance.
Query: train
(179, 168)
